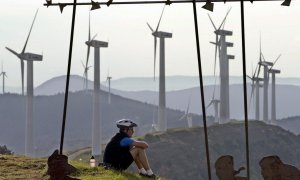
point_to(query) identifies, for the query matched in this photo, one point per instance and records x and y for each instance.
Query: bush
(4, 150)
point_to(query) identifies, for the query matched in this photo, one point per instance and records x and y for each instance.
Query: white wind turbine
(187, 116)
(154, 126)
(108, 78)
(3, 74)
(26, 56)
(273, 108)
(221, 46)
(265, 65)
(162, 125)
(29, 57)
(215, 103)
(255, 87)
(97, 123)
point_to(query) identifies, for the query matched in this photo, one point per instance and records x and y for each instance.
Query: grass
(20, 167)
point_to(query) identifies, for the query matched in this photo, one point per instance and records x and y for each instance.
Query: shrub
(4, 150)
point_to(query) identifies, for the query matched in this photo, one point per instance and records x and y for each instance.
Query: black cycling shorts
(124, 162)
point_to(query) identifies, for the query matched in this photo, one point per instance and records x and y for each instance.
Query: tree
(4, 150)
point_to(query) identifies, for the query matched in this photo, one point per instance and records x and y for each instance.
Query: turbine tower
(221, 45)
(108, 78)
(29, 57)
(273, 72)
(162, 124)
(255, 87)
(3, 74)
(273, 109)
(97, 123)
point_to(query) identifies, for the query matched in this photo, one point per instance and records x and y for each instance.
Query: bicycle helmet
(125, 123)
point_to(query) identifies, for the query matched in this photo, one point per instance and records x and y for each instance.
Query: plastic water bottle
(92, 162)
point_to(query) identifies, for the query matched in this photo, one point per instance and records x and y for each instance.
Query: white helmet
(125, 123)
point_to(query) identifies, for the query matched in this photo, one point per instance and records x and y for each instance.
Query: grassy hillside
(20, 167)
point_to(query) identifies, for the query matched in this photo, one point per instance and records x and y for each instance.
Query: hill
(19, 167)
(179, 154)
(48, 113)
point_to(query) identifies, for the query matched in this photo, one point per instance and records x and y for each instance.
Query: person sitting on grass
(122, 150)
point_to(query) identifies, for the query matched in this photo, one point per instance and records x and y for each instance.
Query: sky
(131, 47)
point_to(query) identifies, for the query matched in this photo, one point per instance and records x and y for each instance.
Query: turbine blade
(188, 107)
(12, 51)
(87, 55)
(94, 36)
(275, 61)
(225, 18)
(212, 22)
(255, 70)
(252, 90)
(216, 46)
(182, 117)
(160, 19)
(30, 31)
(209, 105)
(89, 35)
(150, 27)
(22, 75)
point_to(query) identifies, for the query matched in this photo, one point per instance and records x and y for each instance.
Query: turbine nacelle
(222, 32)
(229, 44)
(31, 57)
(161, 34)
(265, 63)
(230, 56)
(96, 43)
(274, 71)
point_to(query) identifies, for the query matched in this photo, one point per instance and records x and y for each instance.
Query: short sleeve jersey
(126, 142)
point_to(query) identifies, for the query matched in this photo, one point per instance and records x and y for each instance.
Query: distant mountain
(287, 96)
(58, 84)
(173, 83)
(48, 114)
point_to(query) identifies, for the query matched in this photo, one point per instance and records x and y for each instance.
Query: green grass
(20, 167)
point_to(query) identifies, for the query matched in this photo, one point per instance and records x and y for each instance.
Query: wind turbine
(29, 57)
(273, 108)
(221, 46)
(215, 103)
(97, 123)
(108, 78)
(255, 87)
(154, 123)
(25, 56)
(265, 65)
(3, 74)
(162, 125)
(187, 116)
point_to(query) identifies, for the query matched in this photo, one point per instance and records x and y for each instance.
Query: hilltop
(20, 167)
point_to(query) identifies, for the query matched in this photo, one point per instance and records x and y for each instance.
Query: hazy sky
(130, 51)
